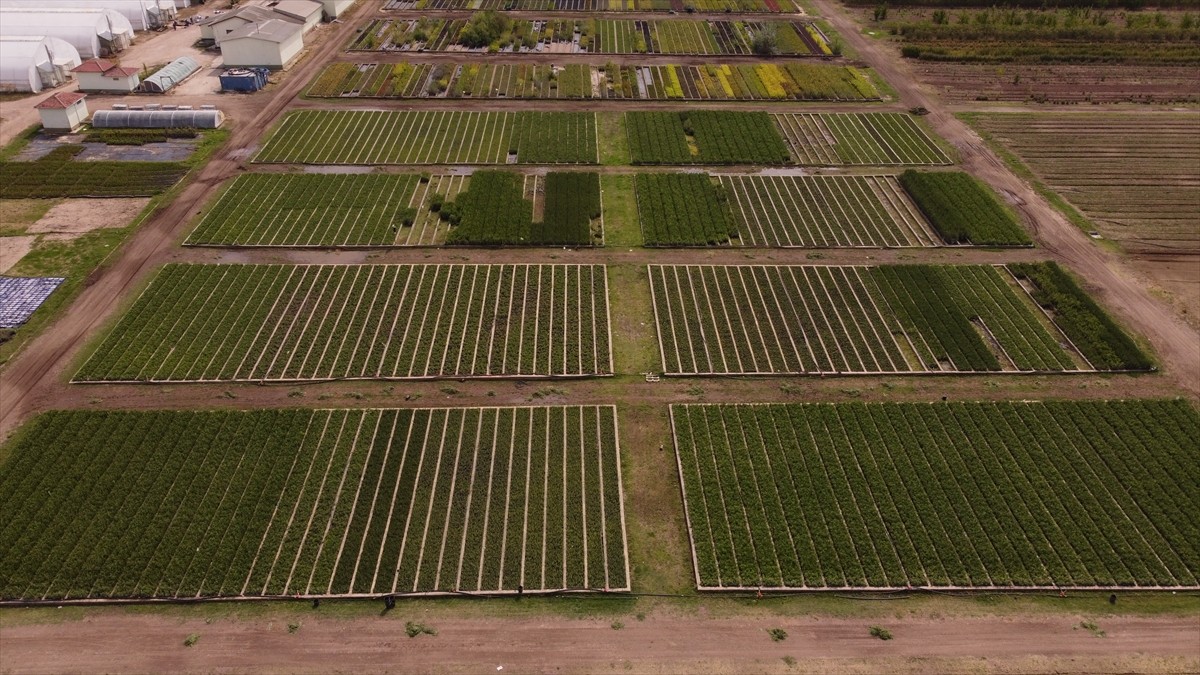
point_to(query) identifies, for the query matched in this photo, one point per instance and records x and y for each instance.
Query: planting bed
(970, 495)
(962, 209)
(591, 36)
(322, 322)
(734, 320)
(597, 5)
(739, 82)
(432, 137)
(58, 174)
(107, 505)
(879, 139)
(780, 211)
(298, 210)
(704, 137)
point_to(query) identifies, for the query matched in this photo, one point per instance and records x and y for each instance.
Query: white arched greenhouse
(141, 14)
(157, 119)
(170, 75)
(92, 32)
(32, 63)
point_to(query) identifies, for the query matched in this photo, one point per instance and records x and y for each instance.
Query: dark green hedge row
(963, 210)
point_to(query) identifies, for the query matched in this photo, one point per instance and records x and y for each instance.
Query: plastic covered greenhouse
(170, 75)
(32, 63)
(157, 119)
(92, 32)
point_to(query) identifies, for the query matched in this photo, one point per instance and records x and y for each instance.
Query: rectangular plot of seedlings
(313, 503)
(968, 495)
(761, 319)
(871, 139)
(432, 137)
(321, 322)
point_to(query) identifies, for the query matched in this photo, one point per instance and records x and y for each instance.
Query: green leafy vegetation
(59, 175)
(963, 210)
(682, 209)
(705, 137)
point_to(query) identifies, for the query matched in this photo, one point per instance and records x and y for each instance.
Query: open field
(1029, 494)
(744, 320)
(597, 5)
(780, 211)
(736, 82)
(58, 174)
(878, 139)
(313, 503)
(704, 137)
(325, 210)
(432, 137)
(323, 322)
(1059, 83)
(588, 36)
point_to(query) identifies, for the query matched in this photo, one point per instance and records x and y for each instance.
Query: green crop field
(326, 322)
(962, 209)
(489, 32)
(779, 211)
(432, 137)
(730, 82)
(704, 137)
(299, 210)
(313, 503)
(58, 174)
(592, 5)
(873, 139)
(715, 319)
(973, 495)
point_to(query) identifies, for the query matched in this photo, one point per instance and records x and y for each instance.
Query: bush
(484, 29)
(881, 633)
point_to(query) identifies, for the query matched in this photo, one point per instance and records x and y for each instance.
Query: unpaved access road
(1107, 277)
(132, 643)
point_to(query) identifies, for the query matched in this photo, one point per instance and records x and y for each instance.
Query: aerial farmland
(659, 328)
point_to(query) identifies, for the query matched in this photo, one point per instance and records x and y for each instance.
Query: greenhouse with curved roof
(33, 63)
(92, 32)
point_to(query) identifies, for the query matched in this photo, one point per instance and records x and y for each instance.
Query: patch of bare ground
(79, 216)
(12, 249)
(1066, 84)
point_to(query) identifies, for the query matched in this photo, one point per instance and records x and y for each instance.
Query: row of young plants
(963, 494)
(495, 211)
(58, 174)
(870, 139)
(1089, 328)
(432, 137)
(963, 210)
(704, 137)
(683, 209)
(256, 322)
(740, 6)
(269, 209)
(301, 502)
(730, 82)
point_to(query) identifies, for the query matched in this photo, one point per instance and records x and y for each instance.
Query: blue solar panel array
(21, 296)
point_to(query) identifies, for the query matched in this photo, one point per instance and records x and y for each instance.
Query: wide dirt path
(554, 644)
(1108, 278)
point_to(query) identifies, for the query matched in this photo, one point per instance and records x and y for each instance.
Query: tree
(765, 42)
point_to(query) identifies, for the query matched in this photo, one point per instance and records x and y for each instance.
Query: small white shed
(64, 111)
(31, 63)
(335, 8)
(101, 76)
(272, 44)
(305, 11)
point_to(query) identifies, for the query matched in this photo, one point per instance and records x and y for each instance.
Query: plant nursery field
(744, 320)
(589, 36)
(299, 210)
(684, 209)
(729, 82)
(58, 174)
(704, 137)
(880, 139)
(326, 322)
(597, 5)
(963, 494)
(313, 503)
(432, 137)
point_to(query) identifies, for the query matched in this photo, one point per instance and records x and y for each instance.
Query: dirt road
(553, 644)
(1107, 277)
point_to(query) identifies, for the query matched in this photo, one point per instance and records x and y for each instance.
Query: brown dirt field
(659, 644)
(79, 216)
(1064, 84)
(12, 249)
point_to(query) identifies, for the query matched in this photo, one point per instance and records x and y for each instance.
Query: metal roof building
(170, 75)
(157, 119)
(92, 32)
(31, 63)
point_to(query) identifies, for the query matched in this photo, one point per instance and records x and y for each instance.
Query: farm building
(64, 111)
(271, 44)
(219, 26)
(170, 75)
(334, 8)
(104, 76)
(157, 119)
(141, 14)
(92, 32)
(300, 10)
(32, 63)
